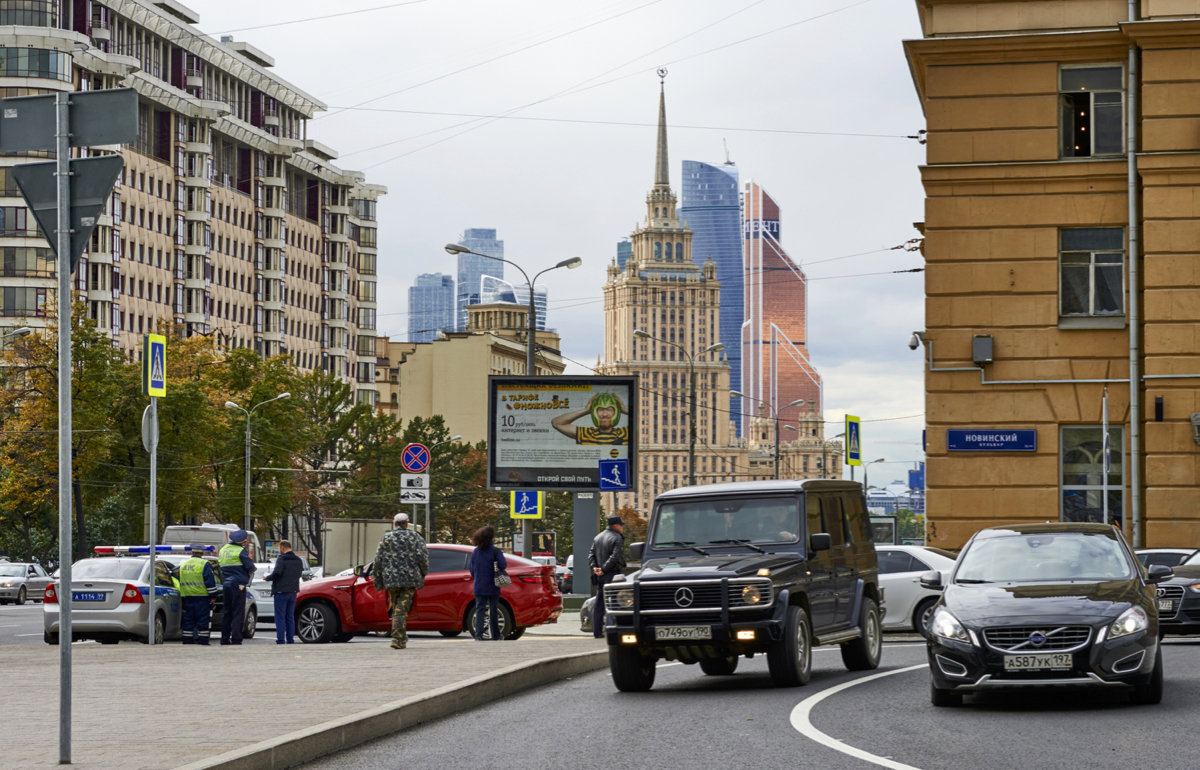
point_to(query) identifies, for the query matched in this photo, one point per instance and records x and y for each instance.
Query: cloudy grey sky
(813, 98)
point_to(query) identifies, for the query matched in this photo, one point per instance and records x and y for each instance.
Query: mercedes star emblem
(684, 597)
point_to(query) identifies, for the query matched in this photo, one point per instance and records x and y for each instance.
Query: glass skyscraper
(493, 289)
(624, 252)
(430, 307)
(472, 268)
(711, 208)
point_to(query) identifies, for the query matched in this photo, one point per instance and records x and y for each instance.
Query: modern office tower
(430, 307)
(226, 221)
(472, 268)
(776, 369)
(493, 290)
(624, 252)
(711, 209)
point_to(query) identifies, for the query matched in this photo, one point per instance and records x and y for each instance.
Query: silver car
(109, 601)
(20, 581)
(253, 611)
(261, 590)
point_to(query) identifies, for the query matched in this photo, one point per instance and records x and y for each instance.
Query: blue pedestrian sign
(526, 504)
(853, 441)
(614, 474)
(415, 458)
(154, 365)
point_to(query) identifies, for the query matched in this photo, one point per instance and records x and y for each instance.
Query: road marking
(29, 634)
(803, 725)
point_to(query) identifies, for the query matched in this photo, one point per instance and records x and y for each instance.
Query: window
(1091, 103)
(447, 560)
(1091, 271)
(1083, 474)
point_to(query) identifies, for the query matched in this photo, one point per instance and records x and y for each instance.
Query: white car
(909, 605)
(262, 592)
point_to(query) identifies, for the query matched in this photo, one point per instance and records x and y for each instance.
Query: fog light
(745, 636)
(628, 638)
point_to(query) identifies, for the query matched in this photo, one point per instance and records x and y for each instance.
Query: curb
(344, 733)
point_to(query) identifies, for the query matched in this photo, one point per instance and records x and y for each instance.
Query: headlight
(1131, 621)
(6, 585)
(1195, 587)
(752, 595)
(947, 626)
(625, 598)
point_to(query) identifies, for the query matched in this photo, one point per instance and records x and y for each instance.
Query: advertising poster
(552, 432)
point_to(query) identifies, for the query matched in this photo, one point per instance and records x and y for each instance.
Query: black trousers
(598, 605)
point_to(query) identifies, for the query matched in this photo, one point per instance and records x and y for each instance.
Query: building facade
(472, 268)
(226, 220)
(493, 290)
(431, 307)
(1062, 184)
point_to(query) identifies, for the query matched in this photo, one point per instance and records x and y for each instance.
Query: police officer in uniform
(236, 571)
(198, 587)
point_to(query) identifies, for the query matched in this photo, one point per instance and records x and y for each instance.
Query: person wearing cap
(606, 557)
(236, 570)
(401, 562)
(198, 587)
(285, 584)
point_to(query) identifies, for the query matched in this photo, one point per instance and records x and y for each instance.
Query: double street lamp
(691, 393)
(530, 345)
(775, 417)
(248, 413)
(866, 467)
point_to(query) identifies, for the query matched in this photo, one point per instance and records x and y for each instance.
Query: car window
(1044, 556)
(723, 521)
(11, 570)
(854, 518)
(37, 570)
(108, 569)
(816, 519)
(444, 560)
(831, 509)
(164, 574)
(1169, 559)
(891, 562)
(1192, 561)
(919, 564)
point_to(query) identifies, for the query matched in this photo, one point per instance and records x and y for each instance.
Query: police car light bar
(142, 550)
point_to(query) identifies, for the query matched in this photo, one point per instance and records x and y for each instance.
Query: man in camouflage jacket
(400, 566)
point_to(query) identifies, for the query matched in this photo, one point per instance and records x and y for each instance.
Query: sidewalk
(133, 705)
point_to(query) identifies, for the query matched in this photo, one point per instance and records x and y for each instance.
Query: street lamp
(825, 455)
(866, 467)
(248, 413)
(775, 416)
(691, 397)
(428, 514)
(530, 346)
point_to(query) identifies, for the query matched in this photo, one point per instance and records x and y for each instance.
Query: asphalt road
(839, 721)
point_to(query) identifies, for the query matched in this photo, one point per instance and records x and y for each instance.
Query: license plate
(87, 596)
(670, 633)
(1166, 604)
(1038, 661)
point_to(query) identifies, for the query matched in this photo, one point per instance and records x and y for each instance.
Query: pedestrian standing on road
(198, 587)
(486, 561)
(236, 570)
(400, 566)
(285, 582)
(606, 557)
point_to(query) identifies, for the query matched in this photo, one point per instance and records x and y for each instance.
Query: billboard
(552, 432)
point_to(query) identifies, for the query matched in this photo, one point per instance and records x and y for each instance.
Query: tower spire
(662, 174)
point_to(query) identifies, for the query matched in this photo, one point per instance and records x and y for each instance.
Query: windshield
(13, 570)
(1193, 560)
(108, 569)
(1043, 557)
(726, 522)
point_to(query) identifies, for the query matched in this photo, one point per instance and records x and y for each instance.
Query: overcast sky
(813, 98)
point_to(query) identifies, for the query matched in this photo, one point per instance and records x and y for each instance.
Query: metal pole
(691, 419)
(777, 445)
(65, 545)
(153, 513)
(530, 371)
(246, 516)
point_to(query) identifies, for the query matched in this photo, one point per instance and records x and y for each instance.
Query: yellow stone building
(1061, 263)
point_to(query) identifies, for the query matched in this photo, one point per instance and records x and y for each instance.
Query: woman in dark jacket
(487, 594)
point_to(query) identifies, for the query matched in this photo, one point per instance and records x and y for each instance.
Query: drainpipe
(1138, 529)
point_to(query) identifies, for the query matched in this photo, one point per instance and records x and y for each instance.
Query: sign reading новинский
(990, 440)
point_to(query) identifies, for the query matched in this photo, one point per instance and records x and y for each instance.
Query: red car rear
(334, 609)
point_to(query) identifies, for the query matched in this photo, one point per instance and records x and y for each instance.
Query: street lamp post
(530, 346)
(775, 416)
(248, 413)
(866, 467)
(716, 347)
(428, 514)
(825, 455)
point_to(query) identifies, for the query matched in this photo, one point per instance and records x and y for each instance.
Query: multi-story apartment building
(1062, 186)
(227, 220)
(431, 309)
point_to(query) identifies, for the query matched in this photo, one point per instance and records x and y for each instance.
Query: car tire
(160, 629)
(631, 671)
(251, 624)
(943, 698)
(49, 638)
(507, 625)
(863, 653)
(719, 666)
(1150, 690)
(316, 623)
(21, 595)
(922, 616)
(585, 615)
(450, 633)
(790, 659)
(342, 638)
(516, 634)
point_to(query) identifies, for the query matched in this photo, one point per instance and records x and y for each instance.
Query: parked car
(262, 592)
(1172, 557)
(566, 582)
(909, 604)
(252, 612)
(1042, 605)
(20, 581)
(1178, 599)
(110, 601)
(337, 608)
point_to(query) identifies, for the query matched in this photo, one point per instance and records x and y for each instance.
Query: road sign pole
(65, 547)
(153, 513)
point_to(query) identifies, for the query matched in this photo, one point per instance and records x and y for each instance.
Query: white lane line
(30, 634)
(803, 725)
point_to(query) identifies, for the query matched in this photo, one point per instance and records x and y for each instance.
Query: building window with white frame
(1091, 268)
(1081, 455)
(1091, 105)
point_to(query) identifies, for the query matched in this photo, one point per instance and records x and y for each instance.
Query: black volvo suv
(732, 570)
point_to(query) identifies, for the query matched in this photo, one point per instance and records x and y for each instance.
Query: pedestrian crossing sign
(526, 504)
(853, 441)
(154, 365)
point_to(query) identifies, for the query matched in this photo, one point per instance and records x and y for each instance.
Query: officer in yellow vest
(198, 587)
(236, 570)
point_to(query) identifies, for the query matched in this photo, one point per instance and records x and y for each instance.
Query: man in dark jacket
(606, 557)
(285, 582)
(236, 571)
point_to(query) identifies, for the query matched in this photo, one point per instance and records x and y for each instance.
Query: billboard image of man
(605, 410)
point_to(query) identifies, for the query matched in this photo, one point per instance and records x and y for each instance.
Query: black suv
(744, 568)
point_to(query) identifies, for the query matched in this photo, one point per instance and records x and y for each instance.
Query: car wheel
(21, 595)
(790, 659)
(316, 623)
(585, 615)
(251, 624)
(507, 626)
(863, 653)
(943, 698)
(342, 638)
(49, 638)
(719, 666)
(450, 633)
(517, 633)
(160, 629)
(1150, 690)
(923, 616)
(631, 671)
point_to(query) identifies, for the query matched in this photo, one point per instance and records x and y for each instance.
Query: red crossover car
(335, 609)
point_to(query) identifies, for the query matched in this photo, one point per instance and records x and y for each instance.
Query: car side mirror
(820, 541)
(636, 550)
(358, 570)
(1159, 572)
(932, 580)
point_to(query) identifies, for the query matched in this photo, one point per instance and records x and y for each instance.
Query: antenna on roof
(725, 144)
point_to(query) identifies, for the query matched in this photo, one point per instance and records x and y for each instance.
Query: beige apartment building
(1062, 231)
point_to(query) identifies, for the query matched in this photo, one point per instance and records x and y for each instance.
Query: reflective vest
(191, 578)
(230, 555)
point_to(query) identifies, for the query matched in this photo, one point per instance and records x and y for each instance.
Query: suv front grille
(1018, 638)
(669, 597)
(1169, 592)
